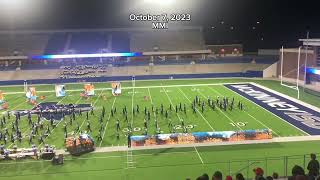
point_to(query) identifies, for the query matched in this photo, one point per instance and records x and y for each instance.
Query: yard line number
(241, 124)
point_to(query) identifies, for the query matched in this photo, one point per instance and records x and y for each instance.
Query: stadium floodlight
(99, 55)
(313, 71)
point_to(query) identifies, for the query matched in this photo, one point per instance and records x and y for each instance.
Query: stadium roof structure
(311, 42)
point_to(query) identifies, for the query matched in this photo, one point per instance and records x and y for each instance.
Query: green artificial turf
(160, 164)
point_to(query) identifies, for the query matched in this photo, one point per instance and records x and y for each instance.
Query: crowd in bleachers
(119, 62)
(82, 71)
(297, 173)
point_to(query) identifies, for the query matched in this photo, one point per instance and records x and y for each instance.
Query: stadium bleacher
(88, 42)
(56, 43)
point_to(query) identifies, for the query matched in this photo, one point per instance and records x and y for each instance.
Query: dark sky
(281, 22)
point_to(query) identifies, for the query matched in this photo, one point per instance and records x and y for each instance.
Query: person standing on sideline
(129, 139)
(313, 166)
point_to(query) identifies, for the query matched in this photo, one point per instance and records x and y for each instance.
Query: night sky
(254, 23)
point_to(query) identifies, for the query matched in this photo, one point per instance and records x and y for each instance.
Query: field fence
(280, 164)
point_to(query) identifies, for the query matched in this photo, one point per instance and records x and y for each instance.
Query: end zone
(300, 115)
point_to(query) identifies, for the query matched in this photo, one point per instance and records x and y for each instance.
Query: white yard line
(223, 112)
(198, 155)
(197, 110)
(170, 101)
(262, 123)
(132, 106)
(105, 128)
(25, 102)
(155, 116)
(24, 133)
(150, 96)
(180, 119)
(58, 122)
(95, 102)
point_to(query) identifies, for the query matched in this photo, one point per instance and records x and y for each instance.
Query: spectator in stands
(239, 176)
(217, 176)
(258, 173)
(297, 172)
(228, 177)
(313, 167)
(275, 175)
(203, 177)
(301, 177)
(269, 178)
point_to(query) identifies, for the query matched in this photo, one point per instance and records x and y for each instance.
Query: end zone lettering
(296, 114)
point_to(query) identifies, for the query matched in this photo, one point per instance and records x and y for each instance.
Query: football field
(149, 98)
(160, 163)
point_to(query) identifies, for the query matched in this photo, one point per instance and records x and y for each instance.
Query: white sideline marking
(140, 87)
(287, 97)
(290, 98)
(210, 144)
(197, 110)
(105, 128)
(99, 157)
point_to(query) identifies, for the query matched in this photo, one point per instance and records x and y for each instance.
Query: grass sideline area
(177, 163)
(165, 163)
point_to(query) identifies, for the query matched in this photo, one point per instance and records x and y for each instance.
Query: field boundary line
(139, 87)
(209, 144)
(146, 80)
(280, 94)
(287, 97)
(248, 112)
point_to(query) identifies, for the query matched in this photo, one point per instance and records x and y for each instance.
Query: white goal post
(25, 86)
(291, 76)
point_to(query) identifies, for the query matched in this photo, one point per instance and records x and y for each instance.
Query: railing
(117, 164)
(281, 165)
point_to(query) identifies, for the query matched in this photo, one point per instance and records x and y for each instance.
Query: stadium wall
(140, 71)
(248, 74)
(271, 71)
